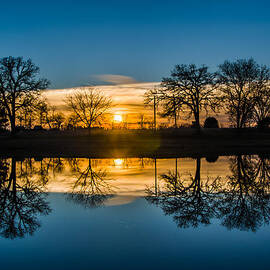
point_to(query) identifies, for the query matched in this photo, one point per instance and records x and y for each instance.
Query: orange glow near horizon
(118, 118)
(118, 162)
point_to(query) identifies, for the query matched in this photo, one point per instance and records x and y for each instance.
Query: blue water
(135, 235)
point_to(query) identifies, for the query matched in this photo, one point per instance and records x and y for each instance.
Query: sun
(117, 118)
(118, 162)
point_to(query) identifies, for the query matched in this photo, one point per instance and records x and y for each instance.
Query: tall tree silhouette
(245, 87)
(21, 202)
(18, 83)
(192, 88)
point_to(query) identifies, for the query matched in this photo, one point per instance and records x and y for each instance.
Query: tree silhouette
(241, 202)
(189, 201)
(192, 88)
(21, 200)
(18, 83)
(89, 105)
(91, 188)
(245, 203)
(245, 90)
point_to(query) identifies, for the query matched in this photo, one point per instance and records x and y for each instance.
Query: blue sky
(76, 42)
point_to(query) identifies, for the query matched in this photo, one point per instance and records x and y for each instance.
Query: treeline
(240, 89)
(23, 106)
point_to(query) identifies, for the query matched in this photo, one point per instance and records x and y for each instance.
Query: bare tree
(171, 107)
(72, 121)
(91, 188)
(26, 113)
(190, 87)
(89, 105)
(18, 81)
(243, 84)
(58, 119)
(262, 92)
(41, 109)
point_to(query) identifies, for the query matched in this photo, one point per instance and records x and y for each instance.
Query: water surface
(135, 213)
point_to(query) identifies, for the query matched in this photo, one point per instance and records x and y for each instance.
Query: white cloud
(115, 79)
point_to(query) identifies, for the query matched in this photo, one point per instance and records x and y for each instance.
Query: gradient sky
(77, 42)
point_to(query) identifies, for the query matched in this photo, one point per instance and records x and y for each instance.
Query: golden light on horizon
(117, 118)
(118, 161)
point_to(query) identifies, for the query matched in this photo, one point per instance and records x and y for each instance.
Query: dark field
(131, 143)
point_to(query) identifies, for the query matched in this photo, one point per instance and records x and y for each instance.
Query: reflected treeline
(22, 200)
(241, 201)
(91, 187)
(23, 194)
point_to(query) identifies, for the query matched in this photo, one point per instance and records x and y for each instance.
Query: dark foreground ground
(173, 143)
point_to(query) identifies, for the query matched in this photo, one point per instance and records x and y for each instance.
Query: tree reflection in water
(91, 188)
(245, 203)
(190, 201)
(241, 201)
(21, 201)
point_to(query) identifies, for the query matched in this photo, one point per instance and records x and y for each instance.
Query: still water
(135, 213)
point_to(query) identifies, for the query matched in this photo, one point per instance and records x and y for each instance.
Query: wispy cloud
(114, 79)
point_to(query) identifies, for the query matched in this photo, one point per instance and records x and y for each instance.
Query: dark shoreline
(162, 144)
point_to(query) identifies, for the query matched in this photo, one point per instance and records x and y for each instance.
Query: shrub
(264, 123)
(211, 122)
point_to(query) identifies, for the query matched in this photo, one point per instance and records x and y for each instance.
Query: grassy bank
(136, 143)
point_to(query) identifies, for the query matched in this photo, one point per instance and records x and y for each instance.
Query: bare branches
(18, 81)
(191, 87)
(89, 106)
(245, 90)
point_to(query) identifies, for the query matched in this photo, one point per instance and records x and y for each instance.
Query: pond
(135, 213)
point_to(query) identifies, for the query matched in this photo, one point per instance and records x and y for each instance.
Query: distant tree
(72, 121)
(52, 117)
(211, 122)
(243, 84)
(18, 81)
(171, 106)
(89, 105)
(58, 119)
(41, 109)
(192, 88)
(49, 116)
(26, 113)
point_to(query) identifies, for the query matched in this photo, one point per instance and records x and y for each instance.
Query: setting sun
(117, 118)
(118, 162)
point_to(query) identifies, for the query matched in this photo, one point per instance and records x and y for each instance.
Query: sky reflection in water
(103, 213)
